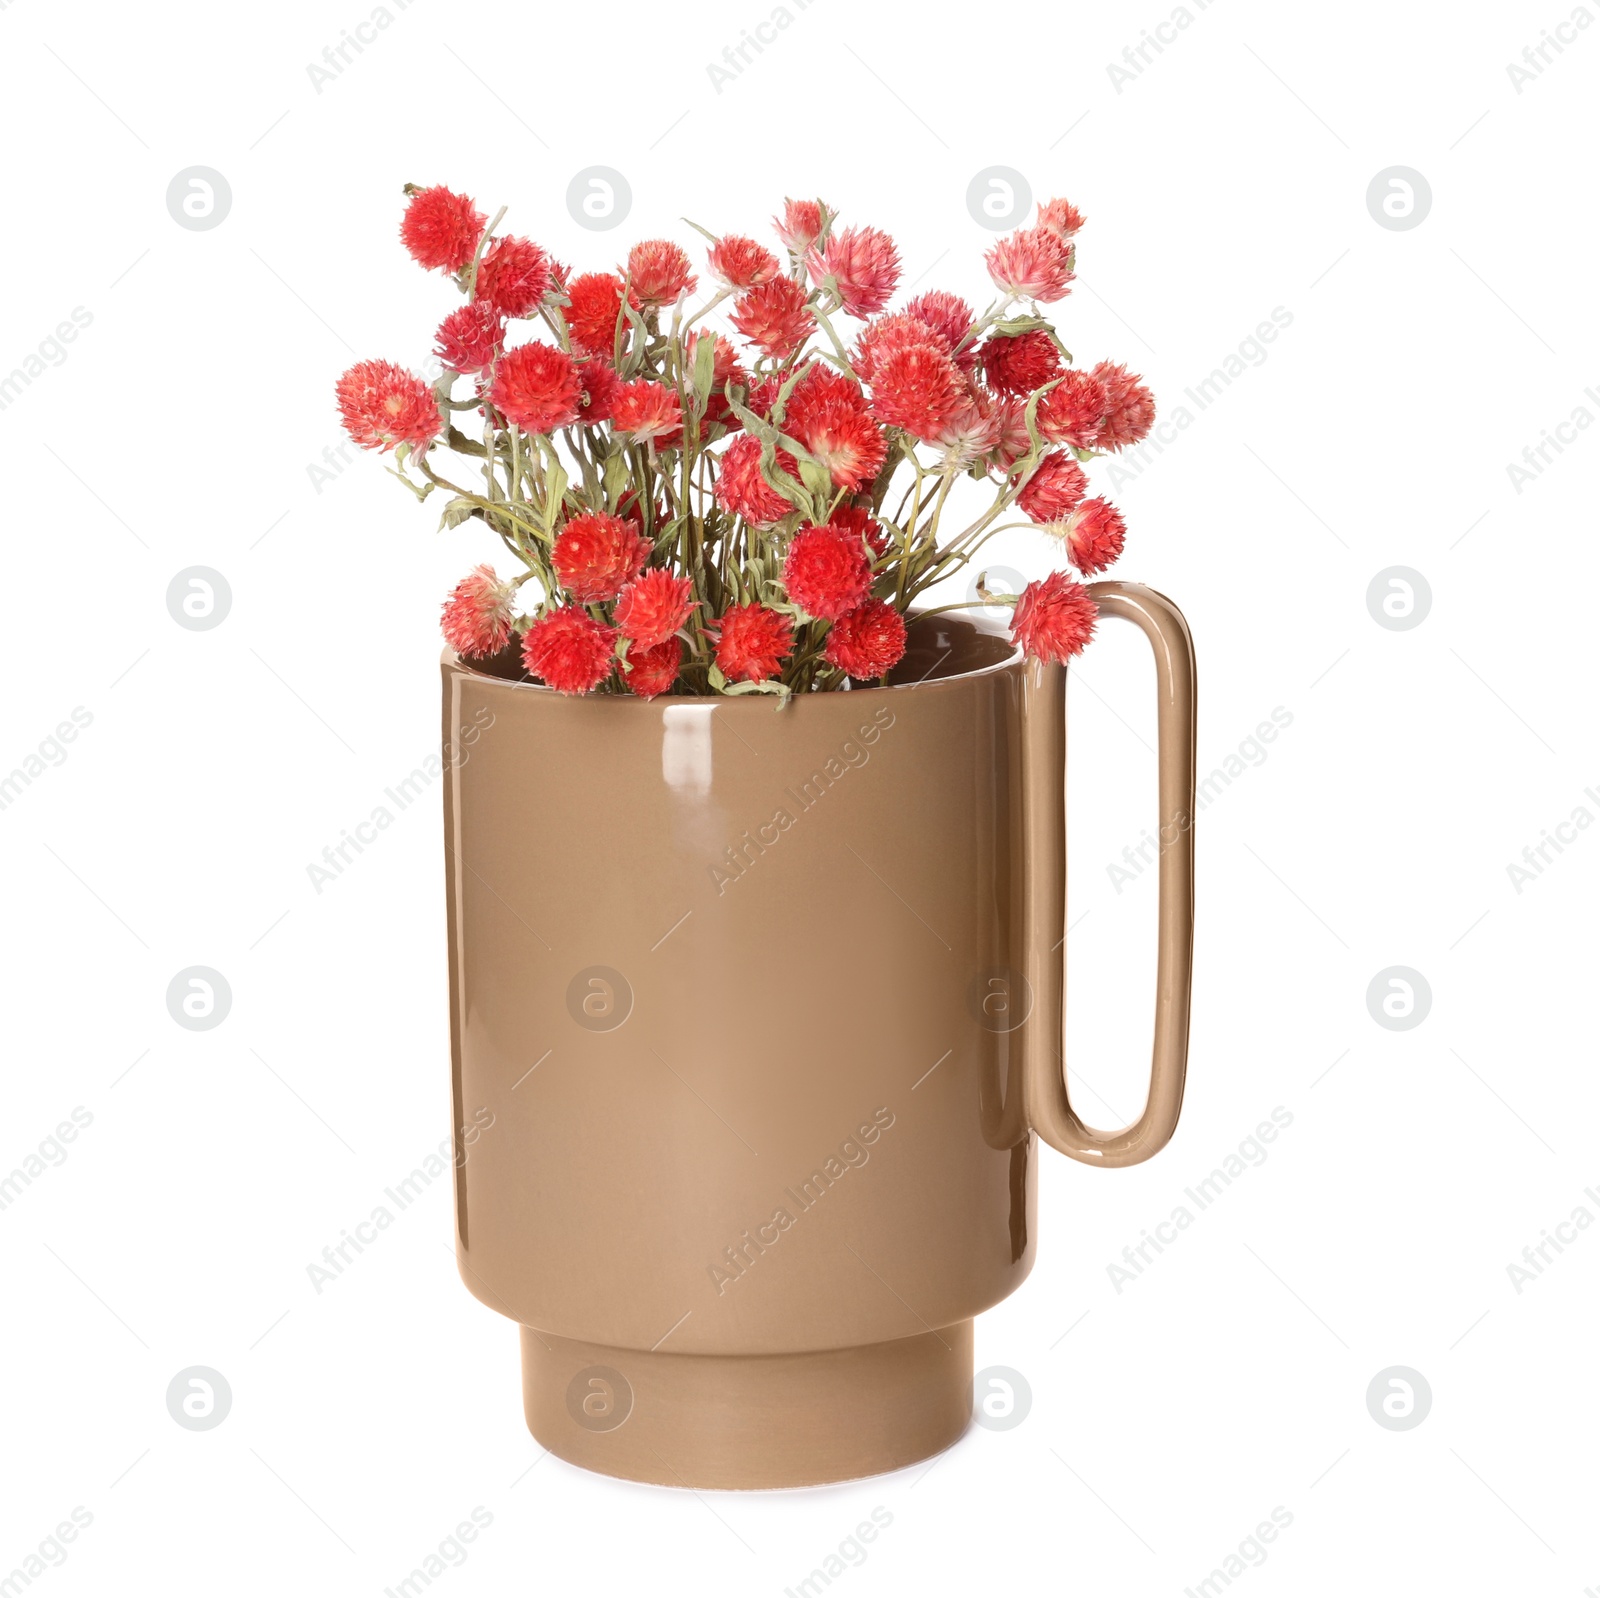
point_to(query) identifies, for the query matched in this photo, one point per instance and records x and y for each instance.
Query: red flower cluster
(724, 517)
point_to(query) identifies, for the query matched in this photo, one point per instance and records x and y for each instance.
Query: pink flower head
(826, 571)
(382, 405)
(775, 317)
(865, 265)
(891, 333)
(569, 649)
(751, 642)
(513, 276)
(441, 229)
(470, 337)
(741, 489)
(828, 414)
(658, 272)
(538, 387)
(653, 671)
(951, 317)
(645, 410)
(916, 386)
(477, 615)
(1012, 441)
(1020, 364)
(867, 641)
(601, 385)
(1032, 264)
(1072, 411)
(1055, 487)
(594, 308)
(972, 430)
(654, 606)
(1060, 217)
(1095, 532)
(740, 263)
(1054, 618)
(803, 222)
(1130, 407)
(596, 553)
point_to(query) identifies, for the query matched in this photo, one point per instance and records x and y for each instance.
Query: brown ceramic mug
(754, 1014)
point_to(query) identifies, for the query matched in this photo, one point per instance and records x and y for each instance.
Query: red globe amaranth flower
(1095, 534)
(828, 414)
(890, 333)
(972, 430)
(653, 671)
(601, 386)
(865, 264)
(569, 649)
(1057, 485)
(645, 410)
(802, 223)
(1012, 441)
(382, 405)
(1031, 263)
(469, 337)
(595, 304)
(775, 317)
(596, 553)
(538, 387)
(918, 387)
(654, 606)
(1072, 411)
(1021, 364)
(658, 272)
(860, 522)
(1054, 618)
(441, 229)
(826, 571)
(740, 263)
(477, 615)
(1130, 407)
(1060, 217)
(560, 274)
(741, 489)
(949, 316)
(751, 642)
(867, 641)
(513, 276)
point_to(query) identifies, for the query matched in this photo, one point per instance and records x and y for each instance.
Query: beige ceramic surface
(753, 1012)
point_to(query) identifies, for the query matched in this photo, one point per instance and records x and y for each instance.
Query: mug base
(748, 1420)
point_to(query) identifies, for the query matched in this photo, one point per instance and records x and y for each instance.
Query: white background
(1226, 178)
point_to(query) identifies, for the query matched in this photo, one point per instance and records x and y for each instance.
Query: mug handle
(1048, 1106)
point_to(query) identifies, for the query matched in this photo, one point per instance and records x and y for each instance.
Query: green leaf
(817, 479)
(715, 678)
(705, 363)
(457, 511)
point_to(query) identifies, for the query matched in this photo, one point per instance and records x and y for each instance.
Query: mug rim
(450, 659)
